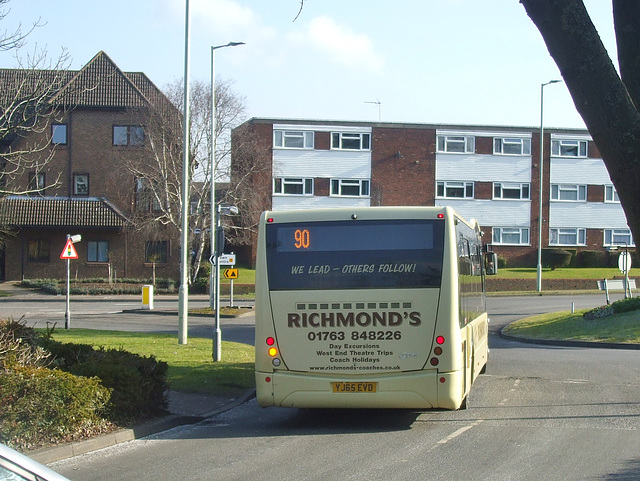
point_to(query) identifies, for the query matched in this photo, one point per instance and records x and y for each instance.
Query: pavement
(184, 408)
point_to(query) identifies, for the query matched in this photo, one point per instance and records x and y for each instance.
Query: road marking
(457, 433)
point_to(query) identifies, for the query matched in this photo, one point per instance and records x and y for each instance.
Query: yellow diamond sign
(230, 273)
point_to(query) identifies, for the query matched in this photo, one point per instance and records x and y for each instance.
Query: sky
(464, 62)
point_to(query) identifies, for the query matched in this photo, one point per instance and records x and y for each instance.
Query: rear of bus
(359, 307)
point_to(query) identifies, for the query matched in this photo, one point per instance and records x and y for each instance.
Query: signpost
(624, 264)
(69, 252)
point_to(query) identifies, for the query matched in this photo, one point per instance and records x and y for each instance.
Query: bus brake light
(270, 341)
(440, 340)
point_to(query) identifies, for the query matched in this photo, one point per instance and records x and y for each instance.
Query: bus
(369, 307)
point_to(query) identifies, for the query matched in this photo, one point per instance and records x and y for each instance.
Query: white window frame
(499, 189)
(456, 144)
(340, 186)
(348, 141)
(566, 147)
(558, 191)
(511, 146)
(579, 234)
(610, 194)
(611, 234)
(443, 188)
(498, 234)
(289, 139)
(280, 185)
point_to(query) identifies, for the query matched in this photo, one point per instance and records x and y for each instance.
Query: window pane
(366, 141)
(512, 146)
(156, 251)
(335, 141)
(277, 186)
(350, 187)
(59, 133)
(293, 186)
(136, 136)
(497, 191)
(309, 140)
(365, 187)
(351, 141)
(120, 136)
(453, 191)
(294, 140)
(308, 186)
(277, 138)
(81, 184)
(469, 190)
(455, 144)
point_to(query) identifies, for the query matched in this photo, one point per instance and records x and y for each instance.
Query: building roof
(100, 83)
(26, 211)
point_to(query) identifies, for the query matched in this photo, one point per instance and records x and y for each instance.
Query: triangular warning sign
(69, 252)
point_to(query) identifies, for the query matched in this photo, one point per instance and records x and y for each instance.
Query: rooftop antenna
(378, 103)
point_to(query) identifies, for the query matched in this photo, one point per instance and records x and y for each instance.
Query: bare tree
(158, 186)
(26, 109)
(607, 102)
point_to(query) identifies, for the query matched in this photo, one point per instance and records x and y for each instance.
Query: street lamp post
(539, 268)
(217, 332)
(183, 293)
(212, 172)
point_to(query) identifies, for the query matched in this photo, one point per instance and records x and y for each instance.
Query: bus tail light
(440, 340)
(434, 361)
(270, 341)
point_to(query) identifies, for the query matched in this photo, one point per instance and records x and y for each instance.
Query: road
(553, 413)
(123, 314)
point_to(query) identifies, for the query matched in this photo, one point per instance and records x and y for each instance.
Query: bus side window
(491, 259)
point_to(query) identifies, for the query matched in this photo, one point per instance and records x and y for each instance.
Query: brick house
(84, 186)
(490, 173)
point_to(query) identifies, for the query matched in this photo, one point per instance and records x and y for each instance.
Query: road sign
(624, 262)
(227, 259)
(231, 273)
(69, 252)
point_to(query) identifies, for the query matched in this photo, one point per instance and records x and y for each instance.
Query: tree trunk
(598, 93)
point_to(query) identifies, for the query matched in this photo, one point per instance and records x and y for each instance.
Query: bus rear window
(355, 254)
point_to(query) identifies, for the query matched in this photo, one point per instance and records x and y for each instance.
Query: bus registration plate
(354, 386)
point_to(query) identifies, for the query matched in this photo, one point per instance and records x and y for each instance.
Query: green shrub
(199, 286)
(626, 305)
(41, 406)
(592, 259)
(502, 262)
(138, 383)
(555, 258)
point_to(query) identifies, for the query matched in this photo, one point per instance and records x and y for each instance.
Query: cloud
(341, 44)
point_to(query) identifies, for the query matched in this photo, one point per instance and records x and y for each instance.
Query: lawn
(191, 367)
(618, 328)
(562, 273)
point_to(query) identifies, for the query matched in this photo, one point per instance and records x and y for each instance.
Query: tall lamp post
(183, 293)
(539, 277)
(213, 259)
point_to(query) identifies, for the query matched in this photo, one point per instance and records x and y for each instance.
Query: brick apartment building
(490, 173)
(85, 187)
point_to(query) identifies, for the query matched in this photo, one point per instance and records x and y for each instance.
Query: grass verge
(618, 328)
(562, 273)
(191, 367)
